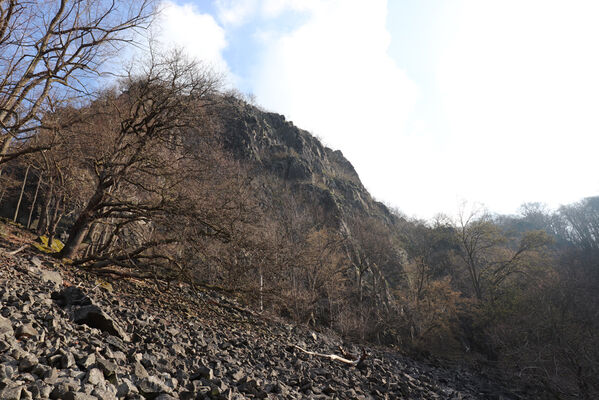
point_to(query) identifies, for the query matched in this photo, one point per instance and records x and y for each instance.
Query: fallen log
(333, 357)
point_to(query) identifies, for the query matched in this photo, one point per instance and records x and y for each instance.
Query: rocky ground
(64, 334)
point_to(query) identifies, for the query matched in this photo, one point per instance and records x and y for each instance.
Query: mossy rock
(43, 245)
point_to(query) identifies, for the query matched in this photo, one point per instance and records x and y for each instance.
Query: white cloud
(519, 87)
(333, 76)
(239, 12)
(201, 37)
(235, 12)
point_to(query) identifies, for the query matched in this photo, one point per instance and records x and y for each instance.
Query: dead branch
(333, 357)
(20, 249)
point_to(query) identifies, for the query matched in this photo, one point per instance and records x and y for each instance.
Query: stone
(95, 377)
(28, 362)
(6, 329)
(202, 372)
(139, 371)
(26, 331)
(71, 296)
(67, 359)
(11, 392)
(151, 387)
(108, 367)
(72, 395)
(93, 316)
(51, 276)
(165, 396)
(125, 388)
(238, 375)
(36, 261)
(88, 361)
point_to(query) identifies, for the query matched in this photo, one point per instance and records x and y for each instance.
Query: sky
(433, 102)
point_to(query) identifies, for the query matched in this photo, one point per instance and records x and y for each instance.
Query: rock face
(189, 345)
(319, 176)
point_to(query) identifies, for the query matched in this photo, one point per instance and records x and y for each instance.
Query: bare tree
(48, 49)
(486, 251)
(140, 141)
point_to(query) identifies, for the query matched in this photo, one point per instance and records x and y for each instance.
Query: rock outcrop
(321, 177)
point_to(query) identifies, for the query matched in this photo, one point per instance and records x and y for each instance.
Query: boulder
(93, 316)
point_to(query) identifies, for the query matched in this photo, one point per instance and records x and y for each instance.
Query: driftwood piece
(333, 357)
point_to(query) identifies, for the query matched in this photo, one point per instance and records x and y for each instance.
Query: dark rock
(28, 362)
(71, 296)
(67, 359)
(151, 387)
(87, 361)
(202, 372)
(108, 367)
(25, 331)
(165, 396)
(95, 377)
(126, 388)
(93, 316)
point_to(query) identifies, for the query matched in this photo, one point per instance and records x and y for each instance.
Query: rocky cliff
(320, 176)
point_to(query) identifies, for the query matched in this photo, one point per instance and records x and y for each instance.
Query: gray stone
(36, 261)
(5, 327)
(152, 386)
(28, 362)
(26, 331)
(95, 377)
(67, 359)
(125, 388)
(51, 276)
(88, 361)
(71, 296)
(139, 371)
(104, 394)
(202, 372)
(72, 395)
(11, 392)
(108, 367)
(165, 396)
(93, 316)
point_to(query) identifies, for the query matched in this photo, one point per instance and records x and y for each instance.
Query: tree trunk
(21, 194)
(81, 226)
(5, 145)
(37, 188)
(76, 235)
(41, 227)
(58, 214)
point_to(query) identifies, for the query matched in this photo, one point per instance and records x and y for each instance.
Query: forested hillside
(164, 176)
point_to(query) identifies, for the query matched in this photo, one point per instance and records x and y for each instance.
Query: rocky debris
(85, 312)
(62, 344)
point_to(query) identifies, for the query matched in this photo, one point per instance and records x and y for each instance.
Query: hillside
(64, 334)
(165, 179)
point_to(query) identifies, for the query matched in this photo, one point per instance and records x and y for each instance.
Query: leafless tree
(141, 145)
(486, 251)
(48, 50)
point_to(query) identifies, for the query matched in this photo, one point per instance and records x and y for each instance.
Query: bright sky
(433, 102)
